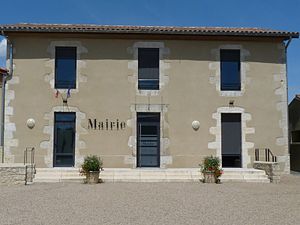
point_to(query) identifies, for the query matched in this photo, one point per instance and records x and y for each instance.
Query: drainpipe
(5, 77)
(287, 93)
(2, 114)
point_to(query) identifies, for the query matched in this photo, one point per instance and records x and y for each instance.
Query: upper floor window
(65, 67)
(230, 70)
(148, 64)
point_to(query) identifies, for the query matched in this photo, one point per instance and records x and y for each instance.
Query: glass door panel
(231, 139)
(148, 142)
(64, 139)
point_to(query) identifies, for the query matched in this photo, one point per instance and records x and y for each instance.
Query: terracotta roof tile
(87, 28)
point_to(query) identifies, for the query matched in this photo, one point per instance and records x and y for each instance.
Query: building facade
(146, 96)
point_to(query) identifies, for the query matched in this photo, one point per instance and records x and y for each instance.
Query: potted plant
(91, 168)
(211, 169)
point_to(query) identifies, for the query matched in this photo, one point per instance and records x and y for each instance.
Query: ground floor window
(64, 139)
(148, 139)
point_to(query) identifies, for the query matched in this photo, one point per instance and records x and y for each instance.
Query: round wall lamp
(196, 124)
(30, 123)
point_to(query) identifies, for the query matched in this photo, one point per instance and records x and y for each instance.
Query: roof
(122, 29)
(295, 101)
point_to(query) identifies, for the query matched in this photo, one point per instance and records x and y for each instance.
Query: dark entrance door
(148, 139)
(231, 139)
(64, 139)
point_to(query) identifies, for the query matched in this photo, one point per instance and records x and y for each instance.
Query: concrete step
(229, 171)
(57, 180)
(244, 175)
(149, 175)
(54, 175)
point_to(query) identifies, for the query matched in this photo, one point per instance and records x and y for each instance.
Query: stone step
(55, 175)
(245, 177)
(149, 175)
(229, 171)
(56, 179)
(254, 180)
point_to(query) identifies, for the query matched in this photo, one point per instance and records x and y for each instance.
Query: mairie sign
(94, 124)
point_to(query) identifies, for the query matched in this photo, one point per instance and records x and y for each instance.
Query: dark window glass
(148, 139)
(65, 67)
(230, 70)
(148, 63)
(296, 136)
(64, 138)
(231, 139)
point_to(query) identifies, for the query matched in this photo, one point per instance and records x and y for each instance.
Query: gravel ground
(152, 203)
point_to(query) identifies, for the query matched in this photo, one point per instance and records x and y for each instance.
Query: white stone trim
(49, 130)
(10, 141)
(214, 68)
(246, 146)
(80, 66)
(165, 158)
(163, 66)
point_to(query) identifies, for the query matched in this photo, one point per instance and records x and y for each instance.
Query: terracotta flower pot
(209, 177)
(92, 177)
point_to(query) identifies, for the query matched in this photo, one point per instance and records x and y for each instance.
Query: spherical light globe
(195, 124)
(30, 123)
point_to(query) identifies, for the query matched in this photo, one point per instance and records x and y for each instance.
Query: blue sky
(275, 14)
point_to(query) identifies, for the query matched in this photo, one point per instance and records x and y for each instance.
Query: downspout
(287, 94)
(4, 80)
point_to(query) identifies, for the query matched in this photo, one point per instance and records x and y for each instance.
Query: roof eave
(197, 33)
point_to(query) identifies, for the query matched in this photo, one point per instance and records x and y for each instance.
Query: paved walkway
(152, 203)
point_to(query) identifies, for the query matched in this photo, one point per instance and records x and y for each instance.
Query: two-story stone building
(142, 96)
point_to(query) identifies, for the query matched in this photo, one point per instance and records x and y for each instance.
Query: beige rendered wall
(107, 89)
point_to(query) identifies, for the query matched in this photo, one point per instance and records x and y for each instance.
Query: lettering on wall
(94, 124)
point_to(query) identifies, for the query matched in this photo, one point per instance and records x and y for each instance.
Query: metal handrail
(30, 165)
(31, 150)
(268, 155)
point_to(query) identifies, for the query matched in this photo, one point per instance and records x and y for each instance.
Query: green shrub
(91, 163)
